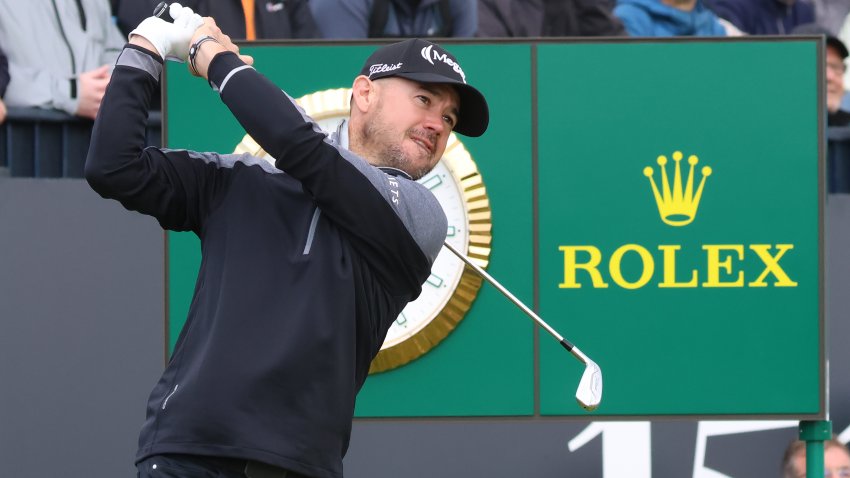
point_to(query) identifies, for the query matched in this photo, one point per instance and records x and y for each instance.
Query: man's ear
(363, 94)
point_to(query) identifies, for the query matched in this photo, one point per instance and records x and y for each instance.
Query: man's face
(410, 124)
(834, 79)
(836, 463)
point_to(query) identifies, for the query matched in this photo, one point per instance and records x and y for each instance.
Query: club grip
(160, 11)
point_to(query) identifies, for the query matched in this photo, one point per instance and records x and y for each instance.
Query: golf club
(589, 392)
(160, 9)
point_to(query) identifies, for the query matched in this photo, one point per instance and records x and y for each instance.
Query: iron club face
(589, 392)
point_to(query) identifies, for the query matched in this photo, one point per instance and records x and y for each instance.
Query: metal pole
(814, 433)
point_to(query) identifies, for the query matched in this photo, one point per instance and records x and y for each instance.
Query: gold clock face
(450, 289)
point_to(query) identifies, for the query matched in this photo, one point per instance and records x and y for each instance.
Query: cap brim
(474, 116)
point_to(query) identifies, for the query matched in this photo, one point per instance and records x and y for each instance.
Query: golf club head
(589, 392)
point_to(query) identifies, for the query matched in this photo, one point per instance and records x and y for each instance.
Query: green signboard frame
(696, 320)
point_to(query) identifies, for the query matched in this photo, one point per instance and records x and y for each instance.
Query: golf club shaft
(564, 342)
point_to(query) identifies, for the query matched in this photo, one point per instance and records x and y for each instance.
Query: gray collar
(342, 133)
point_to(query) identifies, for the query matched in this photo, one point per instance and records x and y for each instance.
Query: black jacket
(4, 74)
(305, 265)
(839, 118)
(276, 19)
(129, 13)
(547, 18)
(764, 17)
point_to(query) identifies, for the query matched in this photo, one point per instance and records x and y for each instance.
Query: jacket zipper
(82, 14)
(165, 402)
(312, 233)
(73, 79)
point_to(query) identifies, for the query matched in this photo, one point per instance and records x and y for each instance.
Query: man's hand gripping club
(172, 41)
(169, 39)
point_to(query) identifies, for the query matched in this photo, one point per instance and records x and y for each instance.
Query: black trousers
(197, 466)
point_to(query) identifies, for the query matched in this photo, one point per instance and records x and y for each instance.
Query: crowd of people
(67, 65)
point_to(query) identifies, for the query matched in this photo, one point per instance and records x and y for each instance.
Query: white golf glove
(171, 40)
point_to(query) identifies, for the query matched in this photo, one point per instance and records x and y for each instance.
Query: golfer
(305, 264)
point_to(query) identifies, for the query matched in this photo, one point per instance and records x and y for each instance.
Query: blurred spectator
(664, 18)
(4, 73)
(59, 53)
(395, 18)
(129, 13)
(830, 14)
(836, 460)
(510, 18)
(253, 19)
(538, 18)
(4, 82)
(844, 36)
(836, 54)
(764, 17)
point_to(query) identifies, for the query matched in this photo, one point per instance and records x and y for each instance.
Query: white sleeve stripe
(232, 72)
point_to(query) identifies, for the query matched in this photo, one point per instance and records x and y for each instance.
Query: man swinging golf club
(305, 264)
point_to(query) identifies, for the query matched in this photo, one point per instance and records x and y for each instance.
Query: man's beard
(392, 154)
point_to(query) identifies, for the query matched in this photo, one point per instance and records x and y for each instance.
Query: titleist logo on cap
(383, 67)
(430, 54)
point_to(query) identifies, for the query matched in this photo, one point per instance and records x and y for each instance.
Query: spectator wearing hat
(836, 54)
(844, 36)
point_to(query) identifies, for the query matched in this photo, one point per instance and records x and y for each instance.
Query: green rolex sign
(679, 225)
(662, 201)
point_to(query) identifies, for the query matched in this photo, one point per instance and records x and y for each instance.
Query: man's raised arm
(174, 186)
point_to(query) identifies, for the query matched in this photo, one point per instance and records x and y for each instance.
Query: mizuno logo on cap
(430, 54)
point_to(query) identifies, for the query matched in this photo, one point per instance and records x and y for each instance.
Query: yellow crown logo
(677, 208)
